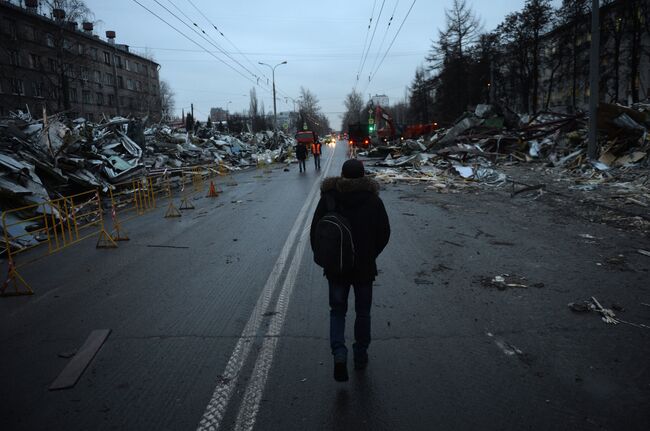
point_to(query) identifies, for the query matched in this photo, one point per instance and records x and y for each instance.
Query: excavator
(389, 131)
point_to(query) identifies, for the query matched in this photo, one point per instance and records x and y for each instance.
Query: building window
(131, 104)
(37, 89)
(49, 40)
(9, 27)
(129, 84)
(107, 57)
(137, 67)
(100, 98)
(68, 45)
(145, 70)
(80, 49)
(34, 61)
(93, 53)
(84, 74)
(14, 59)
(127, 64)
(30, 33)
(120, 82)
(51, 64)
(86, 97)
(111, 100)
(17, 86)
(98, 76)
(73, 95)
(118, 61)
(138, 85)
(110, 79)
(123, 102)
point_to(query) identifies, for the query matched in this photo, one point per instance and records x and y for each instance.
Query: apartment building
(49, 63)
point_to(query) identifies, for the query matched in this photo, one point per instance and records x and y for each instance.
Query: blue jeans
(339, 291)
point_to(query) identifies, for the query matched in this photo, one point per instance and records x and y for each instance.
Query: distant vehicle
(306, 137)
(358, 135)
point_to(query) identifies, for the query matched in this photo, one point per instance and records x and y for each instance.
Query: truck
(358, 135)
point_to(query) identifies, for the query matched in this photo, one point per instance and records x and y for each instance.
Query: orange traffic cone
(212, 193)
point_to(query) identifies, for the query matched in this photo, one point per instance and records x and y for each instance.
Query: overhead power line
(204, 37)
(192, 40)
(383, 39)
(227, 39)
(365, 41)
(373, 37)
(372, 76)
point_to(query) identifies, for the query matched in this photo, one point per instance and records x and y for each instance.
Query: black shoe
(341, 372)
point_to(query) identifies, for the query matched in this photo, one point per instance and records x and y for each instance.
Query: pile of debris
(492, 138)
(46, 159)
(169, 148)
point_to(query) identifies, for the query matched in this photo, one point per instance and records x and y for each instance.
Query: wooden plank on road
(80, 361)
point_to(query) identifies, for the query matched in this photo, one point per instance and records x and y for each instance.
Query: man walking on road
(301, 155)
(316, 151)
(351, 200)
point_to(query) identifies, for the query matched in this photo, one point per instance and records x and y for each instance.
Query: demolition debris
(42, 160)
(492, 146)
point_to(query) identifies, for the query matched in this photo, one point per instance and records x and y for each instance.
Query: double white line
(216, 408)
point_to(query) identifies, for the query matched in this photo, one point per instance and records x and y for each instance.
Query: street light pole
(275, 113)
(594, 60)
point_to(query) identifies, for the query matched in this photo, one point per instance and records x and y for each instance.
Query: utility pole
(594, 79)
(275, 113)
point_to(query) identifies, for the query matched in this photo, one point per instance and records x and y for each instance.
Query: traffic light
(371, 128)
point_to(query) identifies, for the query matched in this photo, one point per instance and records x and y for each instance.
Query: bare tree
(75, 10)
(167, 100)
(537, 16)
(310, 112)
(353, 105)
(572, 14)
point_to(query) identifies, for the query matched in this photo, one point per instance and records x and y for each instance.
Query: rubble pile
(169, 148)
(46, 159)
(484, 143)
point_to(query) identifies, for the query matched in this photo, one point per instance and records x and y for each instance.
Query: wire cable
(373, 36)
(383, 39)
(225, 37)
(205, 38)
(192, 40)
(365, 41)
(372, 76)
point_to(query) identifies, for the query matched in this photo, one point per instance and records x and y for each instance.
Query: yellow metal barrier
(59, 223)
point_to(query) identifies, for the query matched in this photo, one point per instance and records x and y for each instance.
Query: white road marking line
(250, 406)
(216, 408)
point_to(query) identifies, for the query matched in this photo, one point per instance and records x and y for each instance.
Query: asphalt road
(219, 320)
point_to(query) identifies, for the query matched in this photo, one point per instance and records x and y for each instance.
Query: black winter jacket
(357, 200)
(301, 151)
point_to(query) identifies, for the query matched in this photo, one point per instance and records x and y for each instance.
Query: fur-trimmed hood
(348, 185)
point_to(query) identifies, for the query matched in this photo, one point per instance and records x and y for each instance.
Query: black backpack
(333, 243)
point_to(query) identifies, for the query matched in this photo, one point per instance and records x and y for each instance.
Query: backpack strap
(331, 203)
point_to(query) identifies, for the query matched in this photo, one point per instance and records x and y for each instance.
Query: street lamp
(275, 113)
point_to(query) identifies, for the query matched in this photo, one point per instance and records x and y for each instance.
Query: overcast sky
(322, 42)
